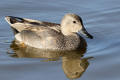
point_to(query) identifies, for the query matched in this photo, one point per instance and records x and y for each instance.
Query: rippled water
(101, 18)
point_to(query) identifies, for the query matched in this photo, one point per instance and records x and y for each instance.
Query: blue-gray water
(102, 20)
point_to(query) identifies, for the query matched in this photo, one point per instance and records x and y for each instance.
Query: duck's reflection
(73, 63)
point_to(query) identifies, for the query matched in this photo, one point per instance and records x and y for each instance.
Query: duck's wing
(54, 26)
(20, 24)
(39, 37)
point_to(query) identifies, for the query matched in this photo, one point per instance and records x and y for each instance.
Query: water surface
(101, 19)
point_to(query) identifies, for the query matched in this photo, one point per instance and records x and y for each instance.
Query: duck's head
(72, 23)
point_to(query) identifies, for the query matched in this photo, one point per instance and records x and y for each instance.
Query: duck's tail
(16, 23)
(12, 19)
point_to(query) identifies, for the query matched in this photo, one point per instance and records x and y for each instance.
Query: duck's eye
(74, 21)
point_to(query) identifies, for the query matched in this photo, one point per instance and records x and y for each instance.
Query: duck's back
(20, 24)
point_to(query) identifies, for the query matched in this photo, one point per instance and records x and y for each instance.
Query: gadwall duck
(50, 36)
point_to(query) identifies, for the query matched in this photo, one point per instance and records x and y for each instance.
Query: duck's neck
(66, 31)
(72, 41)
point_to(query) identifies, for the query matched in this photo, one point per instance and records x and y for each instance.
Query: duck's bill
(84, 32)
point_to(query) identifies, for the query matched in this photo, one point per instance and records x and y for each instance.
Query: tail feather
(17, 24)
(12, 19)
(15, 31)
